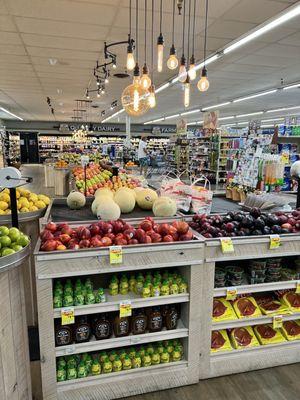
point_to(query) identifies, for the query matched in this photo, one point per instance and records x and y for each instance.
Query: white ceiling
(73, 32)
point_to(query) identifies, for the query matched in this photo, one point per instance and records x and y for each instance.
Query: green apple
(5, 241)
(16, 247)
(4, 231)
(23, 240)
(14, 234)
(7, 252)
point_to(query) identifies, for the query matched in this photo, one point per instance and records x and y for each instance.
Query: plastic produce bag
(201, 197)
(180, 192)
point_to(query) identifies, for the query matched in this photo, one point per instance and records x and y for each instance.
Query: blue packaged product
(281, 130)
(288, 131)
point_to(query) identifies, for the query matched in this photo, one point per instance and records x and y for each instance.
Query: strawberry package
(291, 330)
(222, 310)
(292, 300)
(220, 341)
(266, 334)
(244, 337)
(246, 307)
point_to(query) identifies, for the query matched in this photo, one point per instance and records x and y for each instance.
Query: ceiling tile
(11, 49)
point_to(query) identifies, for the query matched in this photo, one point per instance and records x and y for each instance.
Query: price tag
(275, 242)
(231, 293)
(115, 254)
(298, 287)
(227, 245)
(67, 316)
(125, 308)
(277, 321)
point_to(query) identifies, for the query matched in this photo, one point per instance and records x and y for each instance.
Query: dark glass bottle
(82, 329)
(63, 335)
(121, 326)
(171, 318)
(155, 320)
(102, 327)
(138, 322)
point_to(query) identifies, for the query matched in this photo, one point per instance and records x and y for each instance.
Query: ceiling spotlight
(52, 61)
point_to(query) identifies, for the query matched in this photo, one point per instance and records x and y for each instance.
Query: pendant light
(145, 79)
(130, 58)
(182, 74)
(160, 44)
(152, 98)
(192, 71)
(187, 85)
(203, 83)
(134, 97)
(172, 62)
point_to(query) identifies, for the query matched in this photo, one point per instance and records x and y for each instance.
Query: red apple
(83, 233)
(73, 246)
(49, 245)
(96, 241)
(150, 219)
(140, 235)
(292, 221)
(64, 238)
(175, 236)
(187, 236)
(156, 237)
(51, 226)
(46, 235)
(59, 227)
(67, 230)
(164, 229)
(105, 227)
(106, 241)
(84, 243)
(117, 226)
(287, 226)
(111, 236)
(121, 241)
(156, 228)
(168, 238)
(146, 225)
(129, 233)
(181, 226)
(148, 239)
(127, 226)
(61, 247)
(133, 241)
(94, 229)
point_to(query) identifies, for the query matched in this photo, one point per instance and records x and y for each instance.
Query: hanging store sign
(211, 120)
(181, 127)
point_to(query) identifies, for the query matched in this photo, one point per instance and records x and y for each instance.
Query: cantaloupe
(108, 211)
(125, 200)
(145, 198)
(104, 192)
(164, 207)
(98, 200)
(75, 200)
(126, 189)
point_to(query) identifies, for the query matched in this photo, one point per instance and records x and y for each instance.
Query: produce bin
(188, 256)
(15, 382)
(49, 174)
(61, 181)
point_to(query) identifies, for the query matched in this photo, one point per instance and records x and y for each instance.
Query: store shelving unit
(237, 361)
(186, 256)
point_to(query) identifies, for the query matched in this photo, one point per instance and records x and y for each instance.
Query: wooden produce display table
(61, 181)
(49, 174)
(15, 380)
(263, 356)
(184, 256)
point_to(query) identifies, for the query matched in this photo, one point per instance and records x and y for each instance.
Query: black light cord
(145, 31)
(160, 22)
(183, 28)
(136, 28)
(194, 23)
(130, 19)
(173, 22)
(152, 47)
(188, 58)
(205, 32)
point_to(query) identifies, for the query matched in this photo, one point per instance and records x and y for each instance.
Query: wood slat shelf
(262, 287)
(251, 321)
(130, 340)
(102, 378)
(113, 303)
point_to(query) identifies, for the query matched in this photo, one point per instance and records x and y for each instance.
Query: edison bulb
(136, 100)
(145, 81)
(130, 62)
(182, 73)
(152, 100)
(172, 62)
(192, 72)
(160, 57)
(136, 80)
(187, 89)
(203, 84)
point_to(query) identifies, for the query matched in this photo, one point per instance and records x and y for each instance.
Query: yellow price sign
(298, 287)
(227, 245)
(115, 254)
(125, 309)
(67, 316)
(275, 242)
(277, 321)
(231, 293)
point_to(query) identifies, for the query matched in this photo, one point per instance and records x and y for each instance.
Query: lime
(5, 241)
(14, 234)
(4, 231)
(23, 240)
(16, 247)
(7, 252)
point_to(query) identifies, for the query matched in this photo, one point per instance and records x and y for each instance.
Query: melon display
(76, 200)
(104, 192)
(145, 198)
(99, 200)
(164, 207)
(108, 211)
(126, 189)
(125, 200)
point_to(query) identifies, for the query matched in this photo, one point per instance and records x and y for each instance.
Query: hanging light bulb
(145, 79)
(187, 91)
(98, 93)
(172, 62)
(192, 71)
(152, 98)
(130, 58)
(203, 83)
(182, 74)
(114, 64)
(160, 52)
(106, 79)
(98, 82)
(103, 90)
(87, 95)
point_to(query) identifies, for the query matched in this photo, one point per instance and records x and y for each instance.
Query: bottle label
(82, 333)
(156, 323)
(123, 327)
(102, 330)
(139, 325)
(63, 337)
(173, 319)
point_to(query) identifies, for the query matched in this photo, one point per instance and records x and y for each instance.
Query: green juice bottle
(155, 358)
(96, 367)
(165, 290)
(71, 373)
(81, 370)
(90, 297)
(165, 357)
(126, 363)
(61, 374)
(78, 298)
(176, 354)
(136, 361)
(146, 360)
(113, 287)
(117, 364)
(107, 366)
(57, 300)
